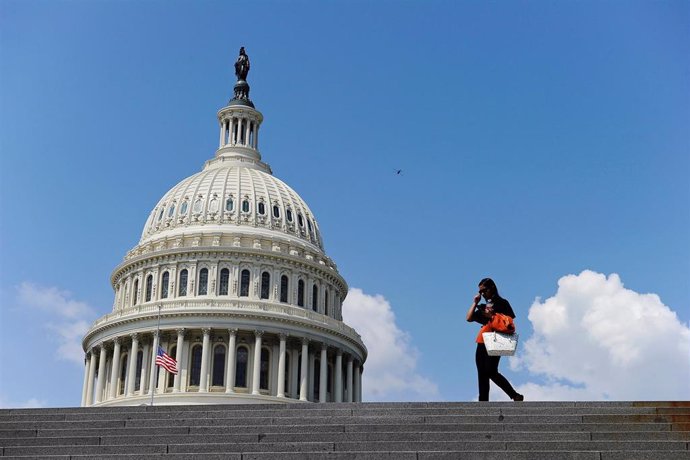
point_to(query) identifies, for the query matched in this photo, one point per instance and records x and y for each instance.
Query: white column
(256, 137)
(178, 358)
(144, 368)
(222, 133)
(114, 372)
(88, 380)
(234, 130)
(348, 380)
(203, 383)
(281, 367)
(312, 378)
(304, 370)
(247, 124)
(101, 374)
(230, 368)
(152, 363)
(357, 381)
(323, 373)
(338, 376)
(132, 371)
(294, 384)
(257, 363)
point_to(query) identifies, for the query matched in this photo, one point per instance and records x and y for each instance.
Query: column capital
(324, 346)
(283, 336)
(134, 336)
(180, 331)
(117, 340)
(156, 334)
(206, 331)
(305, 340)
(258, 333)
(232, 331)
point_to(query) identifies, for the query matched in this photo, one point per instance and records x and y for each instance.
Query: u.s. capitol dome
(230, 279)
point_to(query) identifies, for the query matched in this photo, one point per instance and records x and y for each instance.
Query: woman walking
(486, 314)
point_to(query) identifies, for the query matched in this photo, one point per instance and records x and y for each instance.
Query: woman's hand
(470, 312)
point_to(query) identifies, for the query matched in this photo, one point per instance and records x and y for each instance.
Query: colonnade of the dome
(243, 364)
(239, 128)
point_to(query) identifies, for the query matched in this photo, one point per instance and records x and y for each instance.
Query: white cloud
(31, 403)
(595, 339)
(391, 367)
(66, 319)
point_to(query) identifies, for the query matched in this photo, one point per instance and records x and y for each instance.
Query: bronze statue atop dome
(242, 87)
(242, 65)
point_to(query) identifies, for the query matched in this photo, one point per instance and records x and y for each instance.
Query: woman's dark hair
(488, 282)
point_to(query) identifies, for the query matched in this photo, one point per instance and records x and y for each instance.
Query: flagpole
(158, 328)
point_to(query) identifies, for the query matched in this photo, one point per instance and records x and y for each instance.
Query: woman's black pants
(487, 369)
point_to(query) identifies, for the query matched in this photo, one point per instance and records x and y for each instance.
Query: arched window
(224, 282)
(315, 298)
(241, 367)
(203, 281)
(265, 285)
(288, 214)
(183, 208)
(325, 302)
(300, 293)
(160, 214)
(135, 292)
(149, 287)
(197, 206)
(244, 283)
(164, 285)
(171, 210)
(184, 274)
(229, 204)
(309, 224)
(262, 208)
(276, 211)
(195, 368)
(284, 288)
(213, 205)
(123, 374)
(170, 378)
(300, 220)
(140, 363)
(245, 206)
(218, 366)
(263, 370)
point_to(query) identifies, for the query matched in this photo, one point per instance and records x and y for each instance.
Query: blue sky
(537, 140)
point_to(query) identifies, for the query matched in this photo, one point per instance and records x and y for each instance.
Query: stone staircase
(400, 431)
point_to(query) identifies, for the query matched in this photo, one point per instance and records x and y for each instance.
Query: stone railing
(177, 305)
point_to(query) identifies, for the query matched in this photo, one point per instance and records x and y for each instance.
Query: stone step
(629, 431)
(139, 439)
(221, 412)
(448, 455)
(368, 446)
(499, 431)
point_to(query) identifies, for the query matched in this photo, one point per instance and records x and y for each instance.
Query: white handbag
(500, 344)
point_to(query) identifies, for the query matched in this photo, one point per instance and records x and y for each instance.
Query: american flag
(164, 360)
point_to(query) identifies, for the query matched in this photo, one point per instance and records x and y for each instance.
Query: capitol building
(231, 279)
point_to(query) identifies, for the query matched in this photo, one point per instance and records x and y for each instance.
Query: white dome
(232, 198)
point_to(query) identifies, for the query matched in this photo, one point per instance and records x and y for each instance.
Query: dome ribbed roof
(226, 198)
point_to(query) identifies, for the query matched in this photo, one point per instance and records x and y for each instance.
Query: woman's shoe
(518, 397)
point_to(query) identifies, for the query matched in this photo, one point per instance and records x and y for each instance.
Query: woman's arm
(470, 312)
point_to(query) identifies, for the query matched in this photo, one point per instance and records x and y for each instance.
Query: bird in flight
(398, 172)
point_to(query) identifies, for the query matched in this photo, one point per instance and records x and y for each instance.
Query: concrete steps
(419, 431)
